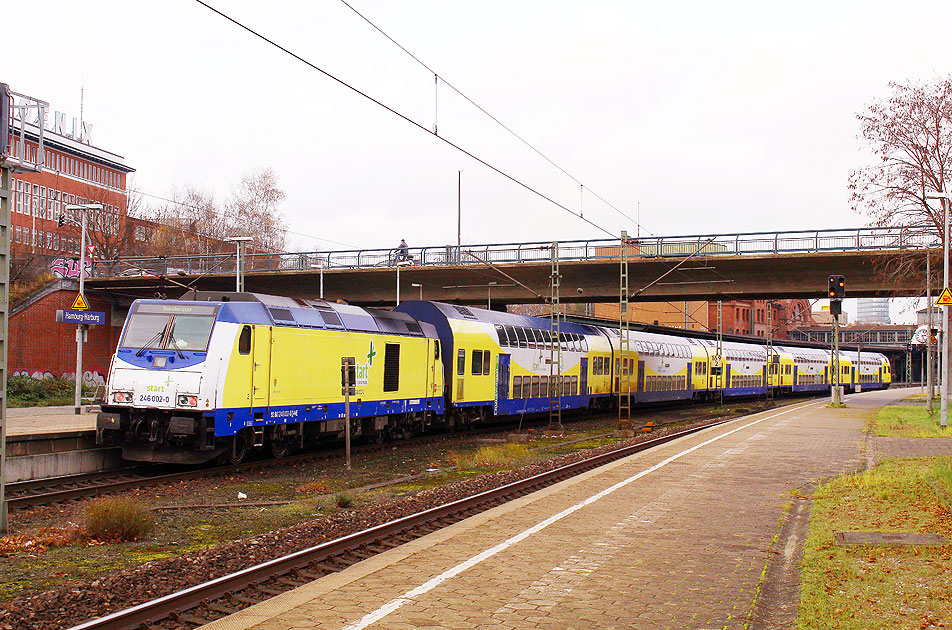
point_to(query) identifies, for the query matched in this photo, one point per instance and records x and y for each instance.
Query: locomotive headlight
(187, 401)
(122, 397)
(159, 362)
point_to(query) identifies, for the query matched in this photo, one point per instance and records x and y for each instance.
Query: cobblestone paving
(681, 546)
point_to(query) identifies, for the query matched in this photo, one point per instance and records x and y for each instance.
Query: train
(221, 375)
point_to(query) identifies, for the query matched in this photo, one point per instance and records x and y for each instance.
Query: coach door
(583, 378)
(261, 371)
(502, 381)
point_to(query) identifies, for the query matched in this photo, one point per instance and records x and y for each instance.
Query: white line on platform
(428, 586)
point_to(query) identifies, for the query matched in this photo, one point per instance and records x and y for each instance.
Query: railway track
(206, 602)
(65, 489)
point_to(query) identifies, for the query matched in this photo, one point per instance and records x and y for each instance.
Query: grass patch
(344, 500)
(117, 519)
(907, 421)
(24, 391)
(878, 587)
(495, 456)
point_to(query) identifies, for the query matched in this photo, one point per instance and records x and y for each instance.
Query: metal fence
(799, 241)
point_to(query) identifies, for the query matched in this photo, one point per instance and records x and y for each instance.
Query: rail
(797, 241)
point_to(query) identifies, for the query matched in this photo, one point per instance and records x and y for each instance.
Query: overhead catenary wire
(438, 76)
(404, 117)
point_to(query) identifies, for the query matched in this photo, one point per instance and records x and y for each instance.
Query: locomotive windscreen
(169, 327)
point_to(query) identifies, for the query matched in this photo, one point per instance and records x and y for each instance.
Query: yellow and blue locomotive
(219, 374)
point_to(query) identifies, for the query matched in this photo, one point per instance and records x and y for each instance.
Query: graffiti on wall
(90, 377)
(69, 268)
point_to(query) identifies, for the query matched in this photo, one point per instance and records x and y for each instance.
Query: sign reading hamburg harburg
(81, 317)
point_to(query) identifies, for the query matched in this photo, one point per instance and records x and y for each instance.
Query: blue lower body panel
(230, 421)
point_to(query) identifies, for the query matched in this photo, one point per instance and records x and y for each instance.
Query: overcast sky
(714, 116)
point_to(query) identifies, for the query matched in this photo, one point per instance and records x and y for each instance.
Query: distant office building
(872, 310)
(823, 317)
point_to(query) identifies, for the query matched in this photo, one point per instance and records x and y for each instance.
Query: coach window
(461, 362)
(486, 355)
(521, 334)
(513, 339)
(501, 335)
(477, 362)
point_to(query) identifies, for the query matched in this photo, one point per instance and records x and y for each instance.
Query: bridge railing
(797, 241)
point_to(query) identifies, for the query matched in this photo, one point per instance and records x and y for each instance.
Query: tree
(193, 222)
(911, 135)
(252, 211)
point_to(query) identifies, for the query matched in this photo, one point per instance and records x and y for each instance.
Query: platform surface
(676, 537)
(49, 420)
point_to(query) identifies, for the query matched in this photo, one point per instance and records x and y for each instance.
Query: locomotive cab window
(169, 327)
(244, 340)
(436, 349)
(486, 361)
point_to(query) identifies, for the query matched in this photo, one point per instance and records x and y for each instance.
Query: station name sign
(67, 316)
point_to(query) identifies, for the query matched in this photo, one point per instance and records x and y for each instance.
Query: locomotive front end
(160, 394)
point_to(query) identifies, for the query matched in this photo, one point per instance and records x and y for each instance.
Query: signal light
(61, 221)
(837, 287)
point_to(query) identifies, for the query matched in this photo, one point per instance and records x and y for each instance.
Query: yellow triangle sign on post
(945, 298)
(80, 304)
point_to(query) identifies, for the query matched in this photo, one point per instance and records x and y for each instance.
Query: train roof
(426, 309)
(260, 308)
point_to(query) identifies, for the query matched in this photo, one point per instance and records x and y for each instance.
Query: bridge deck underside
(886, 273)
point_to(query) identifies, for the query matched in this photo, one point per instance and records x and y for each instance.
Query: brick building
(739, 317)
(39, 346)
(750, 317)
(74, 172)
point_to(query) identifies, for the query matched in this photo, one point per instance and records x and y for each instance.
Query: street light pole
(80, 328)
(459, 215)
(944, 405)
(930, 389)
(239, 241)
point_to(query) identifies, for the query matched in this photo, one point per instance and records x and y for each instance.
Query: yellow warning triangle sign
(80, 304)
(945, 298)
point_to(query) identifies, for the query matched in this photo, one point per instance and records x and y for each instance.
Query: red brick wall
(38, 343)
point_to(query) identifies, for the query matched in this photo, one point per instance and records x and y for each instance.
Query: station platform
(676, 537)
(22, 421)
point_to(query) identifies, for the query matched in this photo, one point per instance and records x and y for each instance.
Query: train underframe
(176, 437)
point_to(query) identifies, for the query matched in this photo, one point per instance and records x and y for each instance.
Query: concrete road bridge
(761, 265)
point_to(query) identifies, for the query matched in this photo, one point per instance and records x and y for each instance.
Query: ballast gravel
(68, 606)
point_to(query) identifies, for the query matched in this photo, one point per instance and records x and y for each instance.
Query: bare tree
(252, 211)
(193, 222)
(910, 134)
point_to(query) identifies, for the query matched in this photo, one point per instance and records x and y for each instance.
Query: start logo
(363, 369)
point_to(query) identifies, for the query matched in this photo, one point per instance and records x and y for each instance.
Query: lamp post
(80, 328)
(420, 286)
(320, 265)
(239, 241)
(944, 404)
